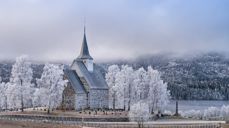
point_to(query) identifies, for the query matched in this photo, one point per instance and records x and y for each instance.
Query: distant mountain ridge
(199, 77)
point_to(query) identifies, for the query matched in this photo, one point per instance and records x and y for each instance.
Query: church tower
(85, 55)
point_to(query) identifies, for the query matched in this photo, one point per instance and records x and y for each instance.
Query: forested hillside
(5, 71)
(198, 77)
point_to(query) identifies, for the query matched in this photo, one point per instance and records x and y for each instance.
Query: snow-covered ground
(185, 105)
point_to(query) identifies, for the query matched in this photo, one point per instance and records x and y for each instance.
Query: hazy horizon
(116, 29)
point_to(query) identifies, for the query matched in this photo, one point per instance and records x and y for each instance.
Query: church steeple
(84, 53)
(85, 56)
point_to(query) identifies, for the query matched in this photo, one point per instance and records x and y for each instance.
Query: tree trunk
(22, 103)
(114, 100)
(6, 103)
(152, 111)
(48, 111)
(124, 105)
(113, 103)
(129, 96)
(176, 114)
(129, 105)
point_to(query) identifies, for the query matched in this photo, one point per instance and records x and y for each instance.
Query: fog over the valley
(52, 30)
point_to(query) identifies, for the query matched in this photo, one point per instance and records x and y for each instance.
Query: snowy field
(185, 105)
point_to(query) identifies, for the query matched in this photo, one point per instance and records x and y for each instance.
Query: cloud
(50, 30)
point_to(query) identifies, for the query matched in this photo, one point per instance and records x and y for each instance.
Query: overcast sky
(52, 30)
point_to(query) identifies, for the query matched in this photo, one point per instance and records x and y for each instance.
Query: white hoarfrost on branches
(158, 95)
(139, 112)
(128, 87)
(111, 82)
(3, 95)
(51, 86)
(124, 80)
(39, 97)
(209, 113)
(13, 98)
(20, 88)
(196, 114)
(20, 93)
(140, 85)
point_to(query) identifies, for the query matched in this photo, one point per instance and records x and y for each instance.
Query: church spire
(84, 29)
(84, 53)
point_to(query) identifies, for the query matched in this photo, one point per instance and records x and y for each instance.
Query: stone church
(86, 87)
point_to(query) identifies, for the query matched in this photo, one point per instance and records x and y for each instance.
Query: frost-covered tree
(158, 95)
(118, 90)
(127, 87)
(111, 82)
(20, 87)
(3, 95)
(125, 80)
(39, 97)
(13, 96)
(119, 82)
(51, 86)
(140, 84)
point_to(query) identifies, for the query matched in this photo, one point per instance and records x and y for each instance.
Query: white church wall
(98, 98)
(81, 101)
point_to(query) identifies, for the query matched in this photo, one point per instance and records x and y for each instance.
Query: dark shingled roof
(74, 80)
(94, 79)
(84, 53)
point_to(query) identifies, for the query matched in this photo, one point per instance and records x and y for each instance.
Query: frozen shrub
(139, 112)
(196, 114)
(211, 112)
